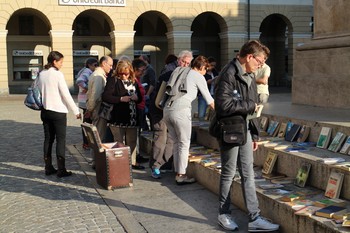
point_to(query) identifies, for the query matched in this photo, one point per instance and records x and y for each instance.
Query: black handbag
(230, 130)
(105, 110)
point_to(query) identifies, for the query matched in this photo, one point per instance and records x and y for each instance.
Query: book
(198, 158)
(343, 165)
(302, 174)
(328, 201)
(209, 161)
(331, 160)
(282, 130)
(289, 126)
(303, 133)
(284, 180)
(270, 186)
(273, 128)
(307, 211)
(276, 192)
(324, 137)
(294, 148)
(346, 222)
(292, 134)
(269, 162)
(334, 184)
(257, 113)
(291, 197)
(337, 142)
(346, 147)
(264, 122)
(330, 211)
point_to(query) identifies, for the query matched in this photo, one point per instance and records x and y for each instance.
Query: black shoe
(141, 159)
(63, 173)
(50, 170)
(138, 167)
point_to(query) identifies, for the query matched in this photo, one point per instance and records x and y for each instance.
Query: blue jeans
(231, 157)
(202, 107)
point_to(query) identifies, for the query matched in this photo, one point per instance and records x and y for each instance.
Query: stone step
(287, 163)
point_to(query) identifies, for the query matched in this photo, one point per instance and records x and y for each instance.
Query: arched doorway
(150, 37)
(91, 38)
(205, 39)
(28, 43)
(275, 30)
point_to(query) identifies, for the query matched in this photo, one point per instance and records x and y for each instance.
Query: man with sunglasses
(235, 98)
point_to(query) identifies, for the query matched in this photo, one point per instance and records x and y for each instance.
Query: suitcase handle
(118, 154)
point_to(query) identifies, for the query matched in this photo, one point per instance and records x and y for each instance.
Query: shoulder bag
(33, 99)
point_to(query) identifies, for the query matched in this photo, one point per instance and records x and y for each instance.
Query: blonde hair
(121, 66)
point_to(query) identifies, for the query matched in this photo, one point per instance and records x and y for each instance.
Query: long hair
(53, 56)
(122, 65)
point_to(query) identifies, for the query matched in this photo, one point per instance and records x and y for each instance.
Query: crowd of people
(118, 95)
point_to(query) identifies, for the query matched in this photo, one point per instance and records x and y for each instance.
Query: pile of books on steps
(205, 156)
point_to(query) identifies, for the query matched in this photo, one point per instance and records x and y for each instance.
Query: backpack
(174, 88)
(33, 99)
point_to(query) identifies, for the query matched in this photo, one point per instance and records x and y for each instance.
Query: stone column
(62, 41)
(231, 42)
(178, 41)
(122, 43)
(321, 67)
(4, 77)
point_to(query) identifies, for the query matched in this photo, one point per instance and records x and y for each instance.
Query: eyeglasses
(125, 74)
(259, 61)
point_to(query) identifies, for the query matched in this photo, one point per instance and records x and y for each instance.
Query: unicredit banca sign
(92, 2)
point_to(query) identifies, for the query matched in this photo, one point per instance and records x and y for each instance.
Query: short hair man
(235, 98)
(162, 142)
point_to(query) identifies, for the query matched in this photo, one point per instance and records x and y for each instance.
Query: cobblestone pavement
(33, 202)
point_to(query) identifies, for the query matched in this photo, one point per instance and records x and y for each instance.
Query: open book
(257, 113)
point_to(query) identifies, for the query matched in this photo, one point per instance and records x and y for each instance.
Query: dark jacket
(230, 79)
(156, 113)
(122, 112)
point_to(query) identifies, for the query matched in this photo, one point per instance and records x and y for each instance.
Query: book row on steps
(292, 191)
(305, 201)
(291, 137)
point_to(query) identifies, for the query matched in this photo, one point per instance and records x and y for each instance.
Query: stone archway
(150, 37)
(275, 30)
(28, 43)
(205, 40)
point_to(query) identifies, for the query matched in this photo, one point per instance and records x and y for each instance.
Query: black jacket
(122, 112)
(230, 79)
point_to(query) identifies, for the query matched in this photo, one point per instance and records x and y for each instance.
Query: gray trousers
(231, 157)
(162, 144)
(178, 121)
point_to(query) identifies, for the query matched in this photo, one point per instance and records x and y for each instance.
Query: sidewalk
(33, 202)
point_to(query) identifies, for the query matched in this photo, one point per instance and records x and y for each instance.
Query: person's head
(253, 55)
(200, 64)
(115, 62)
(124, 57)
(145, 58)
(124, 71)
(54, 59)
(184, 59)
(91, 63)
(212, 63)
(106, 63)
(170, 58)
(139, 67)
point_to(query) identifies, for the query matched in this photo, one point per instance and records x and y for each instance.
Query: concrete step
(287, 163)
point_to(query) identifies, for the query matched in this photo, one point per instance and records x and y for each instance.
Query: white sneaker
(184, 179)
(262, 225)
(226, 221)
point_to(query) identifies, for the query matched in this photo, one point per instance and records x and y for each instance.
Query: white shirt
(55, 93)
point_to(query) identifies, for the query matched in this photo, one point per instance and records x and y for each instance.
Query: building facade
(79, 29)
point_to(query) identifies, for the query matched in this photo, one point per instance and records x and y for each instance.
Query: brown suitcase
(112, 160)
